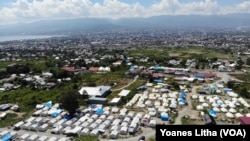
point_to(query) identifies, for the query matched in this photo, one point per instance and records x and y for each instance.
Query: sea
(25, 37)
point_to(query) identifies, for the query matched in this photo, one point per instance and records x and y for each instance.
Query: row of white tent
(89, 120)
(216, 101)
(219, 105)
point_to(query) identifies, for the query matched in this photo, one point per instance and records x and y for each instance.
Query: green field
(187, 53)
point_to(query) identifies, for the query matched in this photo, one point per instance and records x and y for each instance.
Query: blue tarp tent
(48, 104)
(164, 117)
(212, 113)
(55, 114)
(212, 89)
(164, 90)
(67, 117)
(158, 81)
(99, 111)
(227, 90)
(220, 103)
(182, 94)
(158, 68)
(182, 101)
(143, 87)
(7, 137)
(199, 75)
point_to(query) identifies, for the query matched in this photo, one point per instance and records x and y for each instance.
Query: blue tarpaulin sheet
(7, 137)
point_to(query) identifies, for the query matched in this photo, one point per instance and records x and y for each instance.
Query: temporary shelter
(6, 137)
(199, 107)
(48, 104)
(94, 132)
(85, 131)
(24, 136)
(229, 115)
(238, 115)
(152, 123)
(164, 117)
(33, 137)
(18, 125)
(124, 130)
(43, 138)
(114, 134)
(213, 113)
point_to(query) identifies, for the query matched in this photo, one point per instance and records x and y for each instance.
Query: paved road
(186, 110)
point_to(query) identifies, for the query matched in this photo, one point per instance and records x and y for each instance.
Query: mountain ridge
(77, 25)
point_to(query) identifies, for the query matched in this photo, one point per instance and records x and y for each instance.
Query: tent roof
(124, 93)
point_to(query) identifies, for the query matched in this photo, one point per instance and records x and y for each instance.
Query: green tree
(69, 101)
(244, 92)
(86, 138)
(183, 63)
(230, 84)
(239, 64)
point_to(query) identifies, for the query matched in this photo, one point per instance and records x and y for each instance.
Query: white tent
(211, 100)
(114, 134)
(248, 115)
(199, 107)
(238, 115)
(204, 104)
(229, 115)
(231, 105)
(232, 94)
(94, 133)
(152, 123)
(148, 103)
(223, 109)
(201, 100)
(216, 109)
(124, 130)
(232, 110)
(214, 104)
(194, 96)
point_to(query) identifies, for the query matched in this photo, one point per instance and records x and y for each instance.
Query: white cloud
(24, 10)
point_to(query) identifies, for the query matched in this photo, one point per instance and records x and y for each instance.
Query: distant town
(119, 85)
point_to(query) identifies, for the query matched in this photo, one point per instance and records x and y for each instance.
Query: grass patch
(86, 138)
(242, 77)
(189, 52)
(11, 118)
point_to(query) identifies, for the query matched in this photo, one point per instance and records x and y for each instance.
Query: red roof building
(244, 120)
(70, 69)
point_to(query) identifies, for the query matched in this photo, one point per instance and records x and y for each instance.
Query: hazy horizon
(24, 11)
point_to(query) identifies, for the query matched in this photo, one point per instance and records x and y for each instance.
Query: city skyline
(19, 11)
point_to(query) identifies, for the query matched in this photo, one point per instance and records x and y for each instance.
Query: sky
(19, 11)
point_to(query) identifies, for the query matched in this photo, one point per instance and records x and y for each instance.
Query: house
(69, 69)
(117, 63)
(99, 91)
(94, 69)
(158, 75)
